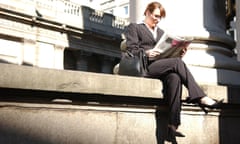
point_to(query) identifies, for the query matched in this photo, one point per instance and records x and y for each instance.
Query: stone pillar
(29, 53)
(59, 57)
(238, 27)
(210, 56)
(137, 8)
(107, 65)
(82, 60)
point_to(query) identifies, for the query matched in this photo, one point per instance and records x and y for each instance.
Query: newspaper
(171, 46)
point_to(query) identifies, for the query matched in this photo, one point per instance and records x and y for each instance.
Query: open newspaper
(171, 46)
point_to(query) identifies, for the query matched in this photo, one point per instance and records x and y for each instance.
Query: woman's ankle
(173, 127)
(207, 100)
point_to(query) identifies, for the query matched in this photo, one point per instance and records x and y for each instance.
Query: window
(111, 11)
(125, 10)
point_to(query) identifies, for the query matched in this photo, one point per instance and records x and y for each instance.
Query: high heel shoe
(173, 132)
(215, 105)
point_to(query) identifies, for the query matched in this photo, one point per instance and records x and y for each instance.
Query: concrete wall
(75, 125)
(30, 123)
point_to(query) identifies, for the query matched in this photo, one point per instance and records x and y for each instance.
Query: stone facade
(68, 37)
(42, 103)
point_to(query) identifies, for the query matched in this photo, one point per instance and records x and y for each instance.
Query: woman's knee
(173, 78)
(178, 61)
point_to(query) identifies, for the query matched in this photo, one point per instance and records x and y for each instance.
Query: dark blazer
(139, 37)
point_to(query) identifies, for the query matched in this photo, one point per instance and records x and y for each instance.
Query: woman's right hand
(152, 53)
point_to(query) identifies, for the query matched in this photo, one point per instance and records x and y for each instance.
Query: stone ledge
(43, 79)
(33, 78)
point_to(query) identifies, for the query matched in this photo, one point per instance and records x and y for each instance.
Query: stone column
(137, 8)
(238, 27)
(107, 65)
(210, 56)
(59, 57)
(29, 52)
(82, 60)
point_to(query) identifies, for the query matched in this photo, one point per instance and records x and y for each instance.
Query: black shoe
(173, 132)
(216, 105)
(171, 136)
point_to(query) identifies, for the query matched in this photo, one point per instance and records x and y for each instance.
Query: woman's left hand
(152, 53)
(184, 50)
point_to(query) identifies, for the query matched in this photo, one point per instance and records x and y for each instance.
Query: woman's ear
(148, 13)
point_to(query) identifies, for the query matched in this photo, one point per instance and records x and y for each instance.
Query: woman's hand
(184, 50)
(152, 53)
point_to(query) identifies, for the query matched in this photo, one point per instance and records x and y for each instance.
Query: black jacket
(139, 37)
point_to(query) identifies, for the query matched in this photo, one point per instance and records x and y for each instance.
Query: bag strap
(129, 53)
(142, 55)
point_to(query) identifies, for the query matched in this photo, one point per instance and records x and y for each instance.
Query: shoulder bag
(133, 64)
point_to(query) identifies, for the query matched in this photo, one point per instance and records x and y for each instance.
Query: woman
(172, 71)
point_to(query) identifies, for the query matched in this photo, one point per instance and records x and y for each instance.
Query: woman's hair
(152, 6)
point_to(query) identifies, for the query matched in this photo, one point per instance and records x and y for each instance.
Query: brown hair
(152, 6)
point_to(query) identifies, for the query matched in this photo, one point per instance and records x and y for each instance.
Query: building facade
(46, 98)
(59, 34)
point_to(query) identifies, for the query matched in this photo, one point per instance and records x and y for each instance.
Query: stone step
(25, 77)
(69, 122)
(66, 123)
(34, 78)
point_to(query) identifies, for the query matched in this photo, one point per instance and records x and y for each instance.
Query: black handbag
(133, 64)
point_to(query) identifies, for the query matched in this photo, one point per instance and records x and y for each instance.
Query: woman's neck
(149, 24)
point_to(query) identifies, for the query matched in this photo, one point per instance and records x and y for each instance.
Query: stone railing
(69, 14)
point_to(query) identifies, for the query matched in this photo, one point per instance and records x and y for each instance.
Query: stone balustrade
(69, 14)
(40, 30)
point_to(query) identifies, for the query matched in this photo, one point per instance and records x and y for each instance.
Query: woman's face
(154, 17)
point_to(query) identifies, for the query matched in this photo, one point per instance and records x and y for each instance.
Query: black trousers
(174, 73)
